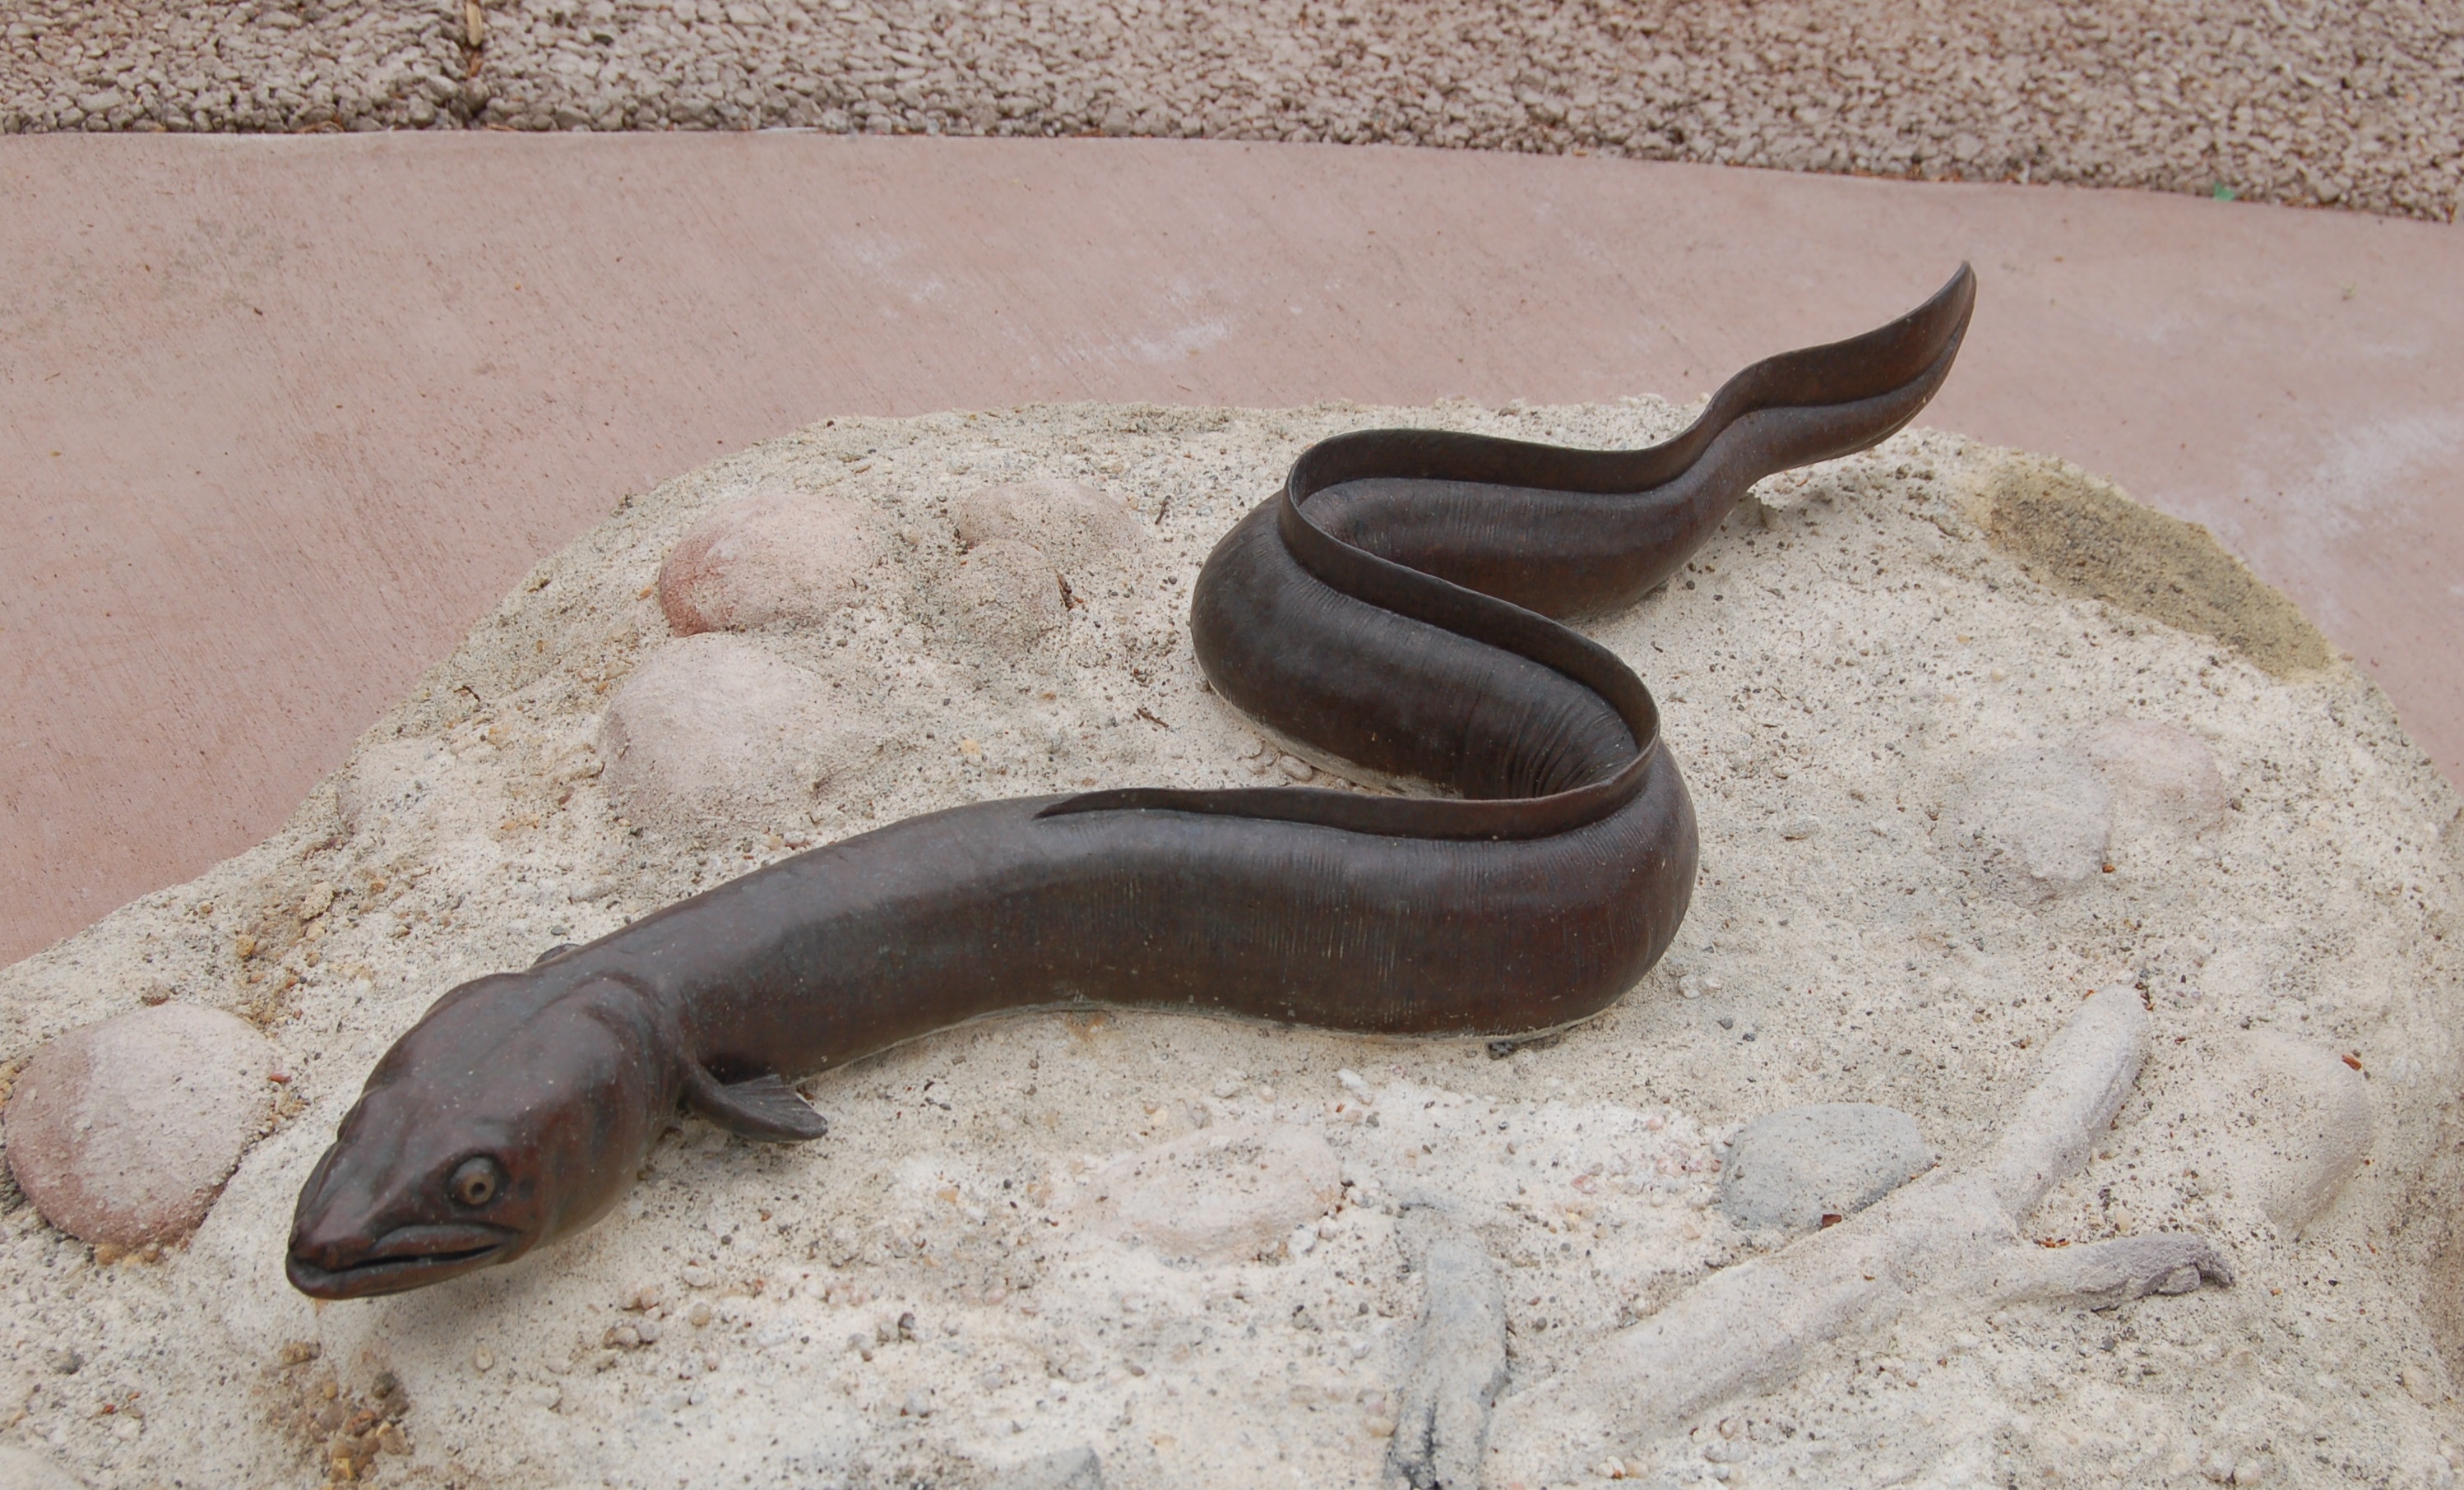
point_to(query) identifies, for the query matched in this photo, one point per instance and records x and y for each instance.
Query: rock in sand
(1008, 594)
(776, 559)
(2293, 1122)
(1071, 523)
(1070, 1469)
(123, 1132)
(1223, 1194)
(390, 779)
(1791, 1169)
(713, 733)
(2163, 778)
(2036, 823)
(21, 1469)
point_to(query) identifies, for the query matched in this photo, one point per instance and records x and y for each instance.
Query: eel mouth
(404, 1259)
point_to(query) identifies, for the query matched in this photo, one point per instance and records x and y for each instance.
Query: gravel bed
(2350, 103)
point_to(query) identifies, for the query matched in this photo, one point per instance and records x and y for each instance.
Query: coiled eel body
(1395, 606)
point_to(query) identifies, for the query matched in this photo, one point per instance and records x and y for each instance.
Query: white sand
(1847, 654)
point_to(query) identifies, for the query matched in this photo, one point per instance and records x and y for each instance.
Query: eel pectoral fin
(763, 1108)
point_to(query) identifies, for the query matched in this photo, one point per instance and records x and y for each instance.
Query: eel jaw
(403, 1259)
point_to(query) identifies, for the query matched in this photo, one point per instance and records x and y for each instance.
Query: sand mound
(947, 1288)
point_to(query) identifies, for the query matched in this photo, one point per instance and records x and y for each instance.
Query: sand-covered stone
(1006, 596)
(2163, 778)
(1219, 1195)
(23, 1469)
(1792, 1169)
(390, 778)
(781, 557)
(715, 733)
(123, 1132)
(1076, 525)
(2290, 1123)
(1070, 1469)
(2034, 821)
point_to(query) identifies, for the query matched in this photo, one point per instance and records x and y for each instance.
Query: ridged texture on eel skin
(1388, 607)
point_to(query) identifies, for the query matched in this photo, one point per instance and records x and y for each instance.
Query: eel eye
(476, 1181)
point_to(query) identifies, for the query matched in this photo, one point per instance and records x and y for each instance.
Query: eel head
(510, 1116)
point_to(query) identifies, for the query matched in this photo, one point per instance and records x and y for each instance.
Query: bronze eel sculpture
(1391, 606)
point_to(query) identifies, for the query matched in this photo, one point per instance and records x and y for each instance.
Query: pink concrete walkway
(280, 416)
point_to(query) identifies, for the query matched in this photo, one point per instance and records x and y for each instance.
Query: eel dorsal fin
(763, 1108)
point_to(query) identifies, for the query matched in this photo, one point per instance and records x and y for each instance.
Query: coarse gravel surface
(2337, 104)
